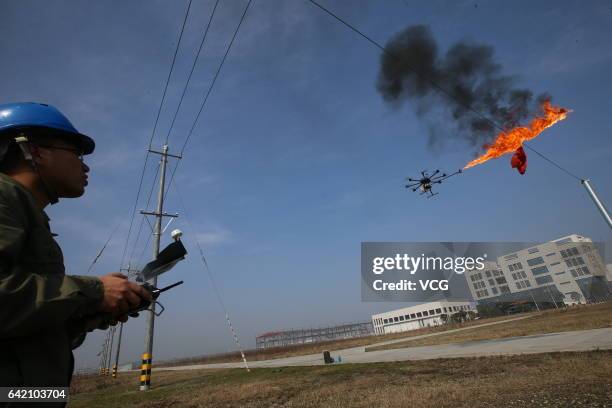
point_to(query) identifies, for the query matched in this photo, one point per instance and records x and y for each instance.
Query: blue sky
(296, 158)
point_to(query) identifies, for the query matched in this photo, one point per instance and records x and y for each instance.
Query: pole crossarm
(157, 214)
(165, 154)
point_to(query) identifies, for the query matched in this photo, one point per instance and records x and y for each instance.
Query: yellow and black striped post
(115, 371)
(145, 372)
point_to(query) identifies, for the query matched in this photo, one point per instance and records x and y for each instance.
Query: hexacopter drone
(426, 182)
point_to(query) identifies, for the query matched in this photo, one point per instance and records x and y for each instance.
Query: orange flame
(510, 140)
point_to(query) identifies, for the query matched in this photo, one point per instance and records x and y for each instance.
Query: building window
(580, 260)
(407, 317)
(539, 270)
(535, 261)
(495, 291)
(438, 311)
(585, 270)
(386, 321)
(412, 316)
(504, 289)
(424, 312)
(544, 279)
(500, 281)
(419, 314)
(401, 318)
(575, 251)
(491, 282)
(488, 273)
(511, 267)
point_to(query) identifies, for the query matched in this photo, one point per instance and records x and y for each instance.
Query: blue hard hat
(31, 115)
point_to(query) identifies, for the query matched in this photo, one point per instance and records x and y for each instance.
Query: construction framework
(313, 335)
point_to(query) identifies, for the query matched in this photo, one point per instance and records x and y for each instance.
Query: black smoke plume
(464, 80)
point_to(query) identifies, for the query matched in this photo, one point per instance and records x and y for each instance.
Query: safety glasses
(77, 152)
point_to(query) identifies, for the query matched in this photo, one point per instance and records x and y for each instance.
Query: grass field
(542, 380)
(550, 321)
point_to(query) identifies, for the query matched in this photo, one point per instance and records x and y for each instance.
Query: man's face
(61, 165)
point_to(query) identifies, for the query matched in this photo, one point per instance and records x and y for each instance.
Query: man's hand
(102, 321)
(121, 295)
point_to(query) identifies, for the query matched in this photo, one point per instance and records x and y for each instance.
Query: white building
(416, 317)
(567, 270)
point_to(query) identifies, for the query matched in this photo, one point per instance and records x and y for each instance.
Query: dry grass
(543, 380)
(317, 348)
(551, 321)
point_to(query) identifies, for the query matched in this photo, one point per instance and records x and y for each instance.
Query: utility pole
(110, 351)
(147, 356)
(118, 350)
(129, 271)
(600, 206)
(103, 356)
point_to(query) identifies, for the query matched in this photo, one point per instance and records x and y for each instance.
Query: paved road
(582, 340)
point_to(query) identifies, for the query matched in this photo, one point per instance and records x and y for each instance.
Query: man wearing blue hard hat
(44, 313)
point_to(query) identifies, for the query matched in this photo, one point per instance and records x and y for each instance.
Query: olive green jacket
(41, 309)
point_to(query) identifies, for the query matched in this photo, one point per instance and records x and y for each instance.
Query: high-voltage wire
(153, 132)
(210, 88)
(143, 218)
(212, 281)
(192, 69)
(433, 83)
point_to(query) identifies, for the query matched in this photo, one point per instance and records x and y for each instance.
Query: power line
(432, 82)
(142, 220)
(216, 76)
(210, 88)
(103, 247)
(192, 69)
(127, 240)
(212, 281)
(169, 74)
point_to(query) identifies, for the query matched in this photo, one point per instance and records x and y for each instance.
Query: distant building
(568, 270)
(416, 317)
(308, 336)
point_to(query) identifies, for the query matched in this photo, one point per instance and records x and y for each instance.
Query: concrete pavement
(581, 340)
